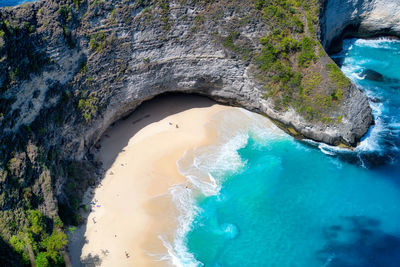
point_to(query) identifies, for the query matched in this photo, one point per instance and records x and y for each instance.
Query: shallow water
(4, 3)
(265, 199)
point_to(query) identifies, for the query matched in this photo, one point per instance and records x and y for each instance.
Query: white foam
(381, 43)
(353, 68)
(205, 169)
(371, 141)
(178, 254)
(352, 71)
(395, 125)
(328, 149)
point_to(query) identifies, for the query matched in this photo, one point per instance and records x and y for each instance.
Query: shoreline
(132, 206)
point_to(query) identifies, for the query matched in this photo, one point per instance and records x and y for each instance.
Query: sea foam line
(205, 169)
(352, 68)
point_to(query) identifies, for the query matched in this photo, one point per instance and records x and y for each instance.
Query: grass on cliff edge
(286, 62)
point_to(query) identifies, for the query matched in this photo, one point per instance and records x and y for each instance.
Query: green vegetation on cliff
(336, 75)
(288, 62)
(18, 54)
(33, 241)
(285, 57)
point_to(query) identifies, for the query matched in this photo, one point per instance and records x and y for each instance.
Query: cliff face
(69, 69)
(136, 58)
(358, 18)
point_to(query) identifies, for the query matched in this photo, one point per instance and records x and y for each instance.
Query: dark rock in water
(374, 100)
(372, 75)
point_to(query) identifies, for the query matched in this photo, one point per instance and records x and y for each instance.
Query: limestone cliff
(141, 59)
(69, 69)
(358, 18)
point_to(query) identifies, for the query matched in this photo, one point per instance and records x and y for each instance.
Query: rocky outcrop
(357, 18)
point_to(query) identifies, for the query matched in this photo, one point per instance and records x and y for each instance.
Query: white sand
(140, 155)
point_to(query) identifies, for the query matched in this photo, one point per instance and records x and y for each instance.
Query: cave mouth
(171, 96)
(354, 32)
(365, 19)
(152, 110)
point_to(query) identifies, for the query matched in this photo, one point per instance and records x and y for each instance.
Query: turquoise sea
(4, 3)
(261, 198)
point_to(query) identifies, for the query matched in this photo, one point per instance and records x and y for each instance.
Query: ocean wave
(178, 254)
(371, 142)
(328, 149)
(353, 72)
(394, 125)
(205, 169)
(381, 141)
(380, 43)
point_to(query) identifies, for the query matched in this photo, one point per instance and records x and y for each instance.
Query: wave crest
(205, 169)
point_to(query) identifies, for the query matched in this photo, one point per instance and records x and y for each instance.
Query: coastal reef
(71, 68)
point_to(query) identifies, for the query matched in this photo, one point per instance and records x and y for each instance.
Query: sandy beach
(131, 207)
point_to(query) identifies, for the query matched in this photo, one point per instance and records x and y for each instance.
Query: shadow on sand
(149, 112)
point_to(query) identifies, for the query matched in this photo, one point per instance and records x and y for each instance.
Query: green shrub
(34, 238)
(54, 244)
(112, 16)
(88, 107)
(298, 25)
(326, 119)
(72, 229)
(36, 222)
(19, 246)
(311, 82)
(164, 4)
(98, 42)
(68, 37)
(337, 76)
(229, 40)
(307, 52)
(41, 260)
(96, 2)
(77, 3)
(337, 95)
(65, 14)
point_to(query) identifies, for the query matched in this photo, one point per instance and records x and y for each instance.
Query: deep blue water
(4, 3)
(265, 199)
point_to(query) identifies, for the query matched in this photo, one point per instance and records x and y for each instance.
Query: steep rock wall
(182, 59)
(357, 18)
